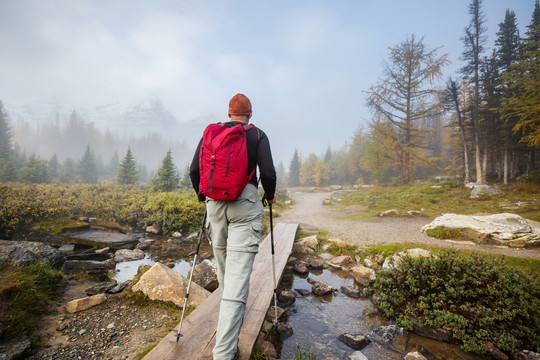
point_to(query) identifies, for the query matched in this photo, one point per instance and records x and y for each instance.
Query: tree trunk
(484, 163)
(505, 166)
(478, 160)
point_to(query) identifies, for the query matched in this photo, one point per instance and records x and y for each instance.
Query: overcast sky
(303, 64)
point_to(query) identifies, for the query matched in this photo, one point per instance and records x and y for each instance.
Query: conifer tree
(54, 167)
(5, 136)
(294, 170)
(113, 164)
(167, 177)
(35, 170)
(280, 172)
(523, 81)
(406, 97)
(474, 41)
(9, 171)
(127, 170)
(68, 173)
(185, 181)
(87, 167)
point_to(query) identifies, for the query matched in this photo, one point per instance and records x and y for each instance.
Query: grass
(442, 233)
(59, 225)
(451, 197)
(145, 352)
(26, 298)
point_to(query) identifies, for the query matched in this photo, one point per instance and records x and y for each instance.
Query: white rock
(310, 241)
(414, 356)
(152, 230)
(413, 212)
(165, 284)
(326, 256)
(357, 355)
(435, 186)
(415, 253)
(505, 228)
(391, 262)
(176, 234)
(391, 212)
(85, 303)
(368, 263)
(128, 255)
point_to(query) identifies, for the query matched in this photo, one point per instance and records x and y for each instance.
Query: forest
(482, 125)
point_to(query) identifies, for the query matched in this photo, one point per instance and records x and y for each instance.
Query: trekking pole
(276, 323)
(178, 334)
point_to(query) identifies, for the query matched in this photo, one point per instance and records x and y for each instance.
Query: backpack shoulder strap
(251, 126)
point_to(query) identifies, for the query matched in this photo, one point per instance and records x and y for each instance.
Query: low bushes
(479, 299)
(24, 205)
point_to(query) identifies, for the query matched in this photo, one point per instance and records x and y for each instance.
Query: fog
(304, 65)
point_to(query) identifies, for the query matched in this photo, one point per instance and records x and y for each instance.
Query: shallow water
(163, 250)
(317, 321)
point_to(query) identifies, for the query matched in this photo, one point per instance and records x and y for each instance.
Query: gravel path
(309, 211)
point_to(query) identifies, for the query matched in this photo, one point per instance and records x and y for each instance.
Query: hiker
(234, 226)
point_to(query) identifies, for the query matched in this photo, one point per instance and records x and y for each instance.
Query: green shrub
(477, 298)
(442, 233)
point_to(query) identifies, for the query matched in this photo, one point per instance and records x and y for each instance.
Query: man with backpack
(223, 173)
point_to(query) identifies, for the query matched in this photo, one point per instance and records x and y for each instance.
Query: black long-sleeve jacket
(259, 154)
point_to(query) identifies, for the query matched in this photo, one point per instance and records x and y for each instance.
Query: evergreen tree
(127, 170)
(328, 155)
(5, 136)
(185, 182)
(280, 172)
(113, 164)
(9, 171)
(87, 167)
(508, 41)
(142, 170)
(35, 170)
(522, 79)
(474, 41)
(167, 177)
(406, 97)
(54, 168)
(68, 174)
(294, 170)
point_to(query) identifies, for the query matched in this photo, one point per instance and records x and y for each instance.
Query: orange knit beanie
(239, 105)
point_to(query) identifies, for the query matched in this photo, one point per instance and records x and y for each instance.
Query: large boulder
(23, 253)
(164, 284)
(205, 274)
(505, 228)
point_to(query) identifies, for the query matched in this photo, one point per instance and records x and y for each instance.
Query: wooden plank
(199, 327)
(263, 288)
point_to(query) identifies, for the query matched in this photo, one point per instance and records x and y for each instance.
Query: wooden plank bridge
(199, 328)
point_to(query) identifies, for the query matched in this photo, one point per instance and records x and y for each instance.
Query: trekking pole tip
(276, 324)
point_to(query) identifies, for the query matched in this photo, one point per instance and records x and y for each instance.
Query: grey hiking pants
(234, 229)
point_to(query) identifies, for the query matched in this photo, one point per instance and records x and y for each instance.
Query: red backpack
(223, 161)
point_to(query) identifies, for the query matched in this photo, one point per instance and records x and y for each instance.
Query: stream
(317, 321)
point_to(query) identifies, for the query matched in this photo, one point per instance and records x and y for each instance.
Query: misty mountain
(146, 126)
(129, 119)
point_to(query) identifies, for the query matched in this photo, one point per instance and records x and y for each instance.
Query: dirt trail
(308, 210)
